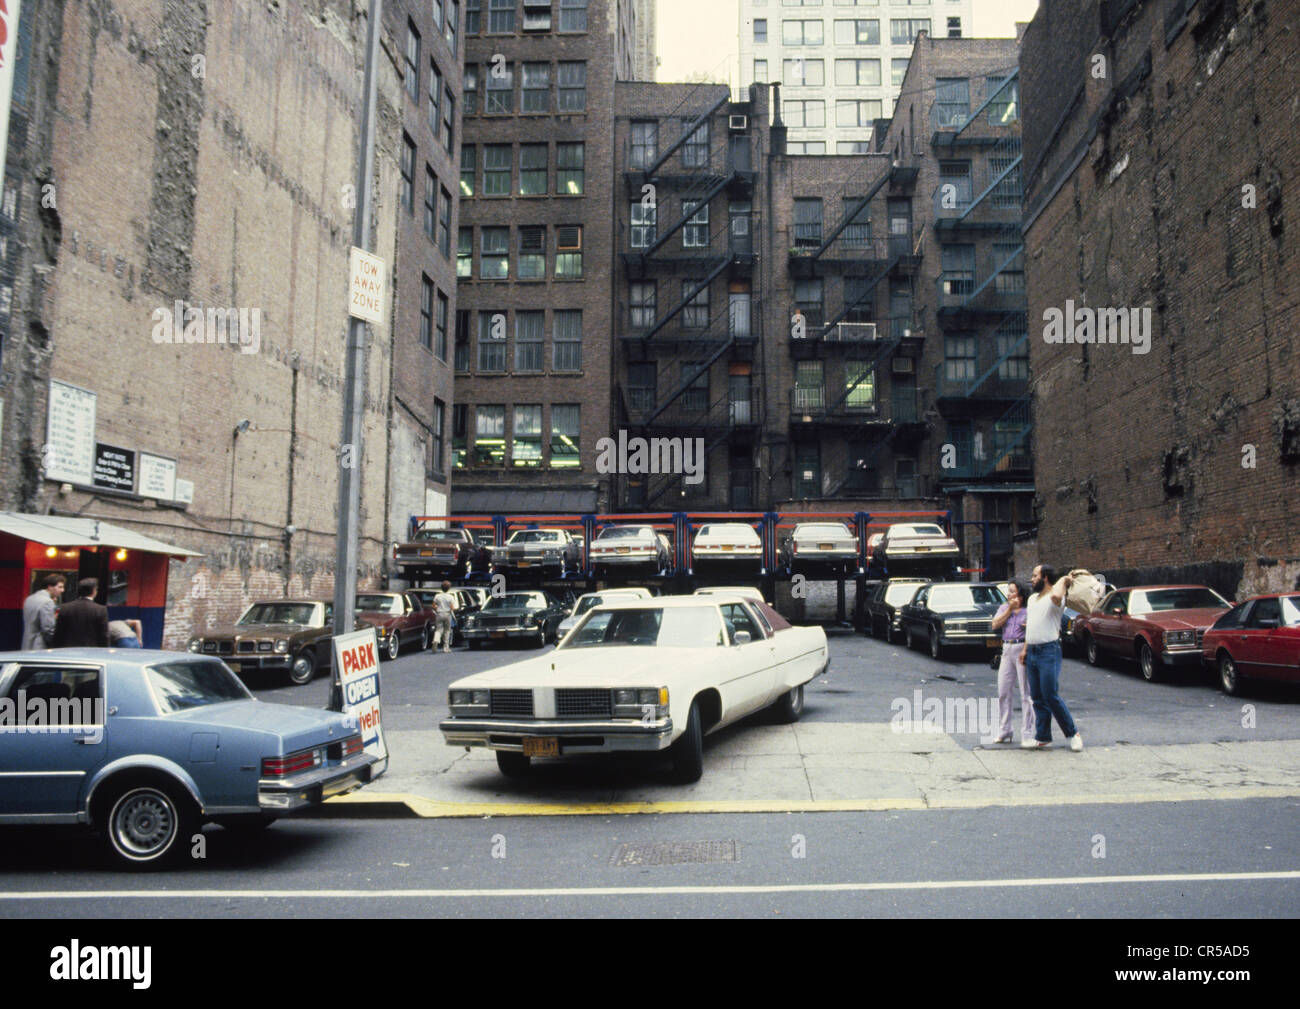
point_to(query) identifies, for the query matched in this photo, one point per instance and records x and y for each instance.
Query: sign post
(356, 659)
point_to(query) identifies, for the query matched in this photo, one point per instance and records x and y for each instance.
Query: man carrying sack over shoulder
(1042, 659)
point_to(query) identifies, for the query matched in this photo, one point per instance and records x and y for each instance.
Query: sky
(699, 36)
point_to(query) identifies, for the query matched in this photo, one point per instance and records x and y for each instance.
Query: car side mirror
(741, 638)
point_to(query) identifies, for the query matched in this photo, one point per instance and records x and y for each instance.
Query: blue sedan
(147, 746)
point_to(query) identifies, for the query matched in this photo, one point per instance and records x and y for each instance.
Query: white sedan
(640, 675)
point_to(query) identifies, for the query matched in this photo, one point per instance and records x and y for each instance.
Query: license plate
(524, 564)
(497, 634)
(426, 553)
(825, 546)
(624, 550)
(233, 665)
(993, 642)
(920, 550)
(544, 746)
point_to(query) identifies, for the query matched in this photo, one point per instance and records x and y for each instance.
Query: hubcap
(301, 669)
(1228, 672)
(144, 823)
(1146, 663)
(393, 646)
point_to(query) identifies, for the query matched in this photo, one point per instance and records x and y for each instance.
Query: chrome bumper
(598, 736)
(313, 787)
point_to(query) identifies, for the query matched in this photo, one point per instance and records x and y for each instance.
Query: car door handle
(89, 740)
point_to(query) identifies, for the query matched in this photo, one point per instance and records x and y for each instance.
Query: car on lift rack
(948, 615)
(915, 541)
(547, 552)
(630, 549)
(815, 548)
(734, 545)
(399, 618)
(440, 553)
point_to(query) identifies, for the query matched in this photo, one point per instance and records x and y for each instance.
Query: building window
(426, 313)
(644, 224)
(857, 232)
(448, 119)
(695, 152)
(857, 33)
(489, 436)
(473, 16)
(568, 252)
(645, 141)
(809, 388)
(468, 169)
(952, 100)
(573, 87)
(532, 252)
(804, 113)
(955, 174)
(437, 14)
(958, 265)
(496, 170)
(1005, 171)
(430, 204)
(760, 30)
(760, 72)
(857, 112)
(459, 434)
(903, 31)
(809, 302)
(573, 15)
(526, 447)
(501, 17)
(642, 300)
(439, 444)
(696, 313)
(565, 435)
(802, 73)
(1013, 354)
(897, 71)
(499, 98)
(440, 322)
(412, 80)
(802, 33)
(453, 18)
(491, 341)
(853, 147)
(444, 221)
(407, 195)
(808, 221)
(695, 232)
(465, 252)
(435, 97)
(569, 173)
(859, 297)
(696, 396)
(461, 350)
(860, 384)
(469, 89)
(806, 146)
(536, 88)
(959, 358)
(1011, 276)
(532, 169)
(537, 15)
(566, 340)
(494, 253)
(641, 386)
(857, 73)
(1004, 100)
(954, 28)
(530, 330)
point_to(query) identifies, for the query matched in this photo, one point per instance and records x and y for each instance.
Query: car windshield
(279, 613)
(739, 533)
(676, 627)
(440, 534)
(379, 604)
(828, 531)
(1156, 600)
(194, 684)
(624, 533)
(516, 601)
(921, 530)
(897, 595)
(535, 536)
(949, 598)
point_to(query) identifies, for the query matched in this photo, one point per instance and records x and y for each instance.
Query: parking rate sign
(356, 657)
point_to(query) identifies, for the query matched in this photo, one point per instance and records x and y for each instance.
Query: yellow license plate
(624, 550)
(825, 546)
(993, 642)
(524, 564)
(426, 553)
(233, 665)
(497, 634)
(544, 746)
(920, 550)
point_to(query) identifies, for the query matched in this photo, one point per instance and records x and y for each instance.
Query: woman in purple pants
(1011, 620)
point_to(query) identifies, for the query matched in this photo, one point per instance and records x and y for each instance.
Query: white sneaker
(1032, 744)
(1076, 743)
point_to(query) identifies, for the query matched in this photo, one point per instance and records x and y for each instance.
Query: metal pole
(349, 502)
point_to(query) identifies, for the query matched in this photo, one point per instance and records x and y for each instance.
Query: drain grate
(675, 853)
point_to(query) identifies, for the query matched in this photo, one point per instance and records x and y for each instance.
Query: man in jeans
(1042, 659)
(444, 605)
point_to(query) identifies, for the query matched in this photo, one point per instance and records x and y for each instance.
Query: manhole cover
(674, 853)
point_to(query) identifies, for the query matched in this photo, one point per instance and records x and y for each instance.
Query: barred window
(492, 341)
(526, 446)
(569, 171)
(567, 340)
(532, 252)
(573, 87)
(529, 335)
(808, 221)
(566, 430)
(695, 152)
(696, 396)
(857, 233)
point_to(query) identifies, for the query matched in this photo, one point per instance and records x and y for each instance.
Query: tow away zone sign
(366, 282)
(356, 657)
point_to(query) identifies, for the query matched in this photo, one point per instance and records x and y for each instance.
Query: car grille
(247, 646)
(1200, 636)
(581, 701)
(220, 647)
(512, 702)
(498, 621)
(980, 627)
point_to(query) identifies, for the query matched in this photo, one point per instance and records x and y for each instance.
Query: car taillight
(352, 746)
(293, 763)
(794, 546)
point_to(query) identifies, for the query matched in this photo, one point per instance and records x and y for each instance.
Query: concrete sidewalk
(828, 766)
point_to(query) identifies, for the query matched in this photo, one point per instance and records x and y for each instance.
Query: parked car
(1071, 628)
(440, 553)
(517, 616)
(821, 548)
(952, 614)
(548, 552)
(282, 635)
(884, 602)
(630, 548)
(170, 740)
(915, 541)
(744, 591)
(399, 618)
(594, 599)
(1256, 640)
(642, 675)
(1159, 625)
(734, 545)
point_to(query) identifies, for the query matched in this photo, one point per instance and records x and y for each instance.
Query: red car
(399, 618)
(1256, 640)
(1159, 625)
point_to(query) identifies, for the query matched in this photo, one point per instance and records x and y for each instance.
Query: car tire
(1229, 676)
(150, 824)
(688, 752)
(541, 638)
(394, 645)
(303, 669)
(513, 765)
(907, 638)
(1147, 663)
(789, 706)
(425, 638)
(936, 645)
(474, 644)
(1090, 649)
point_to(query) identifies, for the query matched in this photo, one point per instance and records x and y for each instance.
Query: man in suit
(82, 623)
(38, 613)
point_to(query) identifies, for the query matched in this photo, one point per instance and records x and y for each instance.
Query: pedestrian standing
(444, 605)
(82, 623)
(39, 612)
(125, 634)
(1042, 659)
(1011, 620)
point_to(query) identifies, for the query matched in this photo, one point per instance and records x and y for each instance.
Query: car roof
(143, 656)
(278, 602)
(669, 602)
(1145, 588)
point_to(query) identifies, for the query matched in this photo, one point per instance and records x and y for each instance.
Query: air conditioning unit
(855, 331)
(903, 366)
(738, 123)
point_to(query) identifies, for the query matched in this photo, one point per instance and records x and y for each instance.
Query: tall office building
(841, 62)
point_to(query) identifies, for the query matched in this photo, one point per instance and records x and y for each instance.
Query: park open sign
(356, 657)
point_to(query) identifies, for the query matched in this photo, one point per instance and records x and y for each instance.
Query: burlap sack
(1085, 592)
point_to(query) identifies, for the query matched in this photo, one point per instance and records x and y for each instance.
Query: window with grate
(532, 252)
(809, 302)
(494, 253)
(536, 88)
(492, 341)
(1006, 193)
(569, 171)
(572, 87)
(696, 397)
(857, 232)
(859, 299)
(489, 435)
(568, 252)
(566, 435)
(952, 100)
(641, 386)
(1010, 263)
(530, 330)
(566, 340)
(957, 175)
(532, 169)
(958, 265)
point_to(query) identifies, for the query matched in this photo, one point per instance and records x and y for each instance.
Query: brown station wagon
(288, 635)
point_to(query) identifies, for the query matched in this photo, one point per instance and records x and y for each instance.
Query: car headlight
(471, 621)
(461, 698)
(1180, 637)
(281, 646)
(196, 644)
(632, 702)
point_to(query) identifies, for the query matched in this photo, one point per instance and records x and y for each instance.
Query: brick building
(1159, 138)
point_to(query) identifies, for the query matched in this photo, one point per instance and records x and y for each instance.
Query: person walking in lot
(1011, 620)
(444, 605)
(39, 611)
(82, 623)
(1042, 659)
(125, 634)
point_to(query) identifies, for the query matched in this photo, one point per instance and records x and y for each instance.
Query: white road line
(648, 891)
